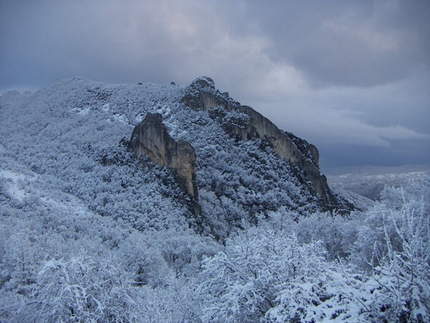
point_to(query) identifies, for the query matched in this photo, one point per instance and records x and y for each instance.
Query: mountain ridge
(202, 94)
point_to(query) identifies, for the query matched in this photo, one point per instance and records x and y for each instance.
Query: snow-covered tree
(401, 279)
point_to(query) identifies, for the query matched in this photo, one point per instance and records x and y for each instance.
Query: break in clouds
(340, 74)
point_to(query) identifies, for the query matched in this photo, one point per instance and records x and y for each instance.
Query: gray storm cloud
(338, 73)
(362, 44)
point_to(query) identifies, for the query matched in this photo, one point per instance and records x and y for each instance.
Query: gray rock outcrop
(202, 95)
(150, 138)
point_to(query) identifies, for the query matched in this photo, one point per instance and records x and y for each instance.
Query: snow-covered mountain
(163, 203)
(77, 131)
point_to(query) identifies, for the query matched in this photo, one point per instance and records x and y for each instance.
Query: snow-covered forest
(89, 233)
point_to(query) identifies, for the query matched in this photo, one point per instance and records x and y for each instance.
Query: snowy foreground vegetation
(89, 234)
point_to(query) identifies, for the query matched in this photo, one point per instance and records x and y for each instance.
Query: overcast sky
(352, 77)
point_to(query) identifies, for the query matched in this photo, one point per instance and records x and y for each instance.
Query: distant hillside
(369, 181)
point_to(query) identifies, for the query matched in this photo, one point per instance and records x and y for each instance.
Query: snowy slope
(62, 133)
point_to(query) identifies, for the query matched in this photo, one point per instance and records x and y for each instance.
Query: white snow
(16, 183)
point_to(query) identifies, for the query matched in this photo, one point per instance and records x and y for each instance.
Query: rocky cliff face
(247, 124)
(150, 138)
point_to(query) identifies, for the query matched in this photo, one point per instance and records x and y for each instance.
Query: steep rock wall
(305, 158)
(150, 138)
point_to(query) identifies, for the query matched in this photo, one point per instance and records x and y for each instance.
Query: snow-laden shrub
(245, 282)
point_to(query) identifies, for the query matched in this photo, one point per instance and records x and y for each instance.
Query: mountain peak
(202, 94)
(248, 125)
(204, 82)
